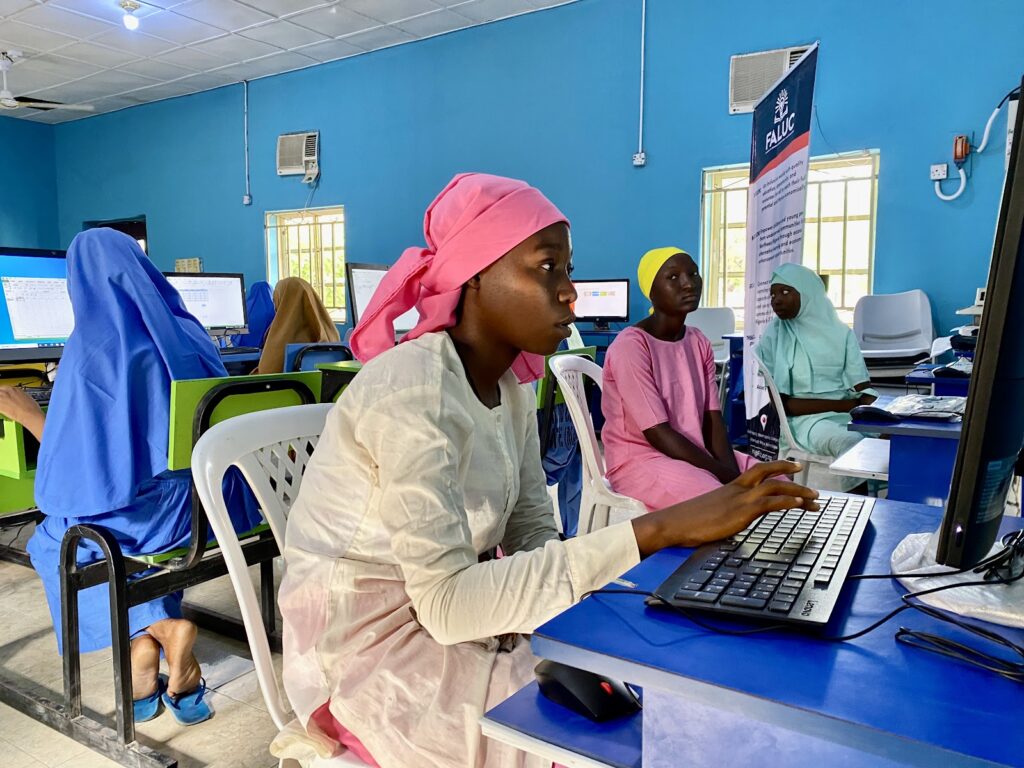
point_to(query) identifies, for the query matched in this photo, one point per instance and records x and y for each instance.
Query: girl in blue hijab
(816, 363)
(104, 457)
(260, 311)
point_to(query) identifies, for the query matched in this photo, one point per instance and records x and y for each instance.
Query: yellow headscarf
(650, 263)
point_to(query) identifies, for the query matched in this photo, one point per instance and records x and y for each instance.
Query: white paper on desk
(997, 603)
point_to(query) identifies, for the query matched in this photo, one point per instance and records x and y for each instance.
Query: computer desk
(922, 453)
(922, 376)
(781, 698)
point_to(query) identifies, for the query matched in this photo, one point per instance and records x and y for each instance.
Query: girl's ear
(473, 282)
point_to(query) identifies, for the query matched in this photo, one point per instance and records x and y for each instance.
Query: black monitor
(993, 428)
(35, 310)
(216, 299)
(362, 281)
(602, 301)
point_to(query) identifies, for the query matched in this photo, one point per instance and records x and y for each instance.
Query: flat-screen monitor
(362, 282)
(993, 427)
(602, 301)
(35, 310)
(216, 299)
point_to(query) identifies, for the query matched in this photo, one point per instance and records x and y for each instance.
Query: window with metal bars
(839, 239)
(310, 244)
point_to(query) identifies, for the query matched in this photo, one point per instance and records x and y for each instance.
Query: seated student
(103, 454)
(664, 437)
(817, 366)
(300, 318)
(259, 309)
(401, 629)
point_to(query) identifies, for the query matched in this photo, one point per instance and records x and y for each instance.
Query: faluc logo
(785, 121)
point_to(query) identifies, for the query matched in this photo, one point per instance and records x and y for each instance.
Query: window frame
(333, 293)
(718, 181)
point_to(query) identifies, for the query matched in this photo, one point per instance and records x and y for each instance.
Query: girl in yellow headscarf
(664, 437)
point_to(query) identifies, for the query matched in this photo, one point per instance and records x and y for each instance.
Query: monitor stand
(996, 603)
(601, 325)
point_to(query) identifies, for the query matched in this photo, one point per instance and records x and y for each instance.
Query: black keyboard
(787, 567)
(40, 394)
(238, 350)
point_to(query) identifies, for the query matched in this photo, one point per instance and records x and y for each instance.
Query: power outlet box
(639, 159)
(940, 171)
(246, 199)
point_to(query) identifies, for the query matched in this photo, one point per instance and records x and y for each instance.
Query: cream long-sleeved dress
(391, 611)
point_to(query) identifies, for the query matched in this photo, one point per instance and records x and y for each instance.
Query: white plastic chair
(788, 448)
(715, 322)
(598, 496)
(894, 325)
(271, 449)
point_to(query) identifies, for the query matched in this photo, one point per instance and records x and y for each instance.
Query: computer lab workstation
(869, 632)
(511, 384)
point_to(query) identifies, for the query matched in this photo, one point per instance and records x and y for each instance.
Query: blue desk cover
(868, 689)
(617, 743)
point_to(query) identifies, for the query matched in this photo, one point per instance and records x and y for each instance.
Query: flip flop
(189, 708)
(151, 706)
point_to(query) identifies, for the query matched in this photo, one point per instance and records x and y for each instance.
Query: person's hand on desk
(18, 406)
(723, 511)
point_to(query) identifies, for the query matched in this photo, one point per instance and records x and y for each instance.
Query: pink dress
(649, 382)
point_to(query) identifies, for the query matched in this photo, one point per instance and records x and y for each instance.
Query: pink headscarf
(472, 223)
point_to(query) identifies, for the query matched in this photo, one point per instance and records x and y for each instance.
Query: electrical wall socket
(246, 199)
(639, 159)
(939, 171)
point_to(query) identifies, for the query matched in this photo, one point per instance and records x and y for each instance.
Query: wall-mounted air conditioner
(299, 154)
(752, 74)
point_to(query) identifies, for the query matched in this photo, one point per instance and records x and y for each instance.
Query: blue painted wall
(28, 185)
(552, 97)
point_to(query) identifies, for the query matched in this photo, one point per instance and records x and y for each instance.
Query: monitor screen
(363, 280)
(35, 311)
(216, 299)
(602, 300)
(993, 428)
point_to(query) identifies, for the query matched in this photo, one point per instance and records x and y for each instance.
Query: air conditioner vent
(752, 74)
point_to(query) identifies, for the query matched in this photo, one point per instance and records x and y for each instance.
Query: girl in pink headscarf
(401, 630)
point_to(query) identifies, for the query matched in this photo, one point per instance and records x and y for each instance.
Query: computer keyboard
(238, 350)
(786, 567)
(40, 394)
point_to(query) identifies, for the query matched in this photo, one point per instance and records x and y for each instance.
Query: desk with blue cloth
(780, 698)
(921, 456)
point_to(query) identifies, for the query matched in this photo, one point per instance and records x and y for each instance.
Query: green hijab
(808, 354)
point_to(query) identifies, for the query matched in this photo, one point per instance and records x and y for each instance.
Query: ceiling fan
(9, 101)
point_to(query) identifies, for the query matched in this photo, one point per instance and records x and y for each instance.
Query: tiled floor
(238, 736)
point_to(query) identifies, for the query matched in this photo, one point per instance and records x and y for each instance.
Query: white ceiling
(78, 51)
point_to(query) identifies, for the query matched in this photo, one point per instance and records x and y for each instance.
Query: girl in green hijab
(816, 363)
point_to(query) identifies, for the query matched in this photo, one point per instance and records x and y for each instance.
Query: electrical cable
(1004, 559)
(981, 148)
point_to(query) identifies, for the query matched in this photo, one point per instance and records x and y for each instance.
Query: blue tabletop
(617, 743)
(866, 690)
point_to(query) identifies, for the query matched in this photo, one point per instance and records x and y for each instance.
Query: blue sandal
(189, 708)
(151, 706)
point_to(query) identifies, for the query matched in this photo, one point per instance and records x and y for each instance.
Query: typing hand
(725, 510)
(18, 406)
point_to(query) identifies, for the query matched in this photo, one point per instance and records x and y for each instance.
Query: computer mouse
(594, 696)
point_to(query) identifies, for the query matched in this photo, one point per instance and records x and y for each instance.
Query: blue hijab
(106, 429)
(260, 309)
